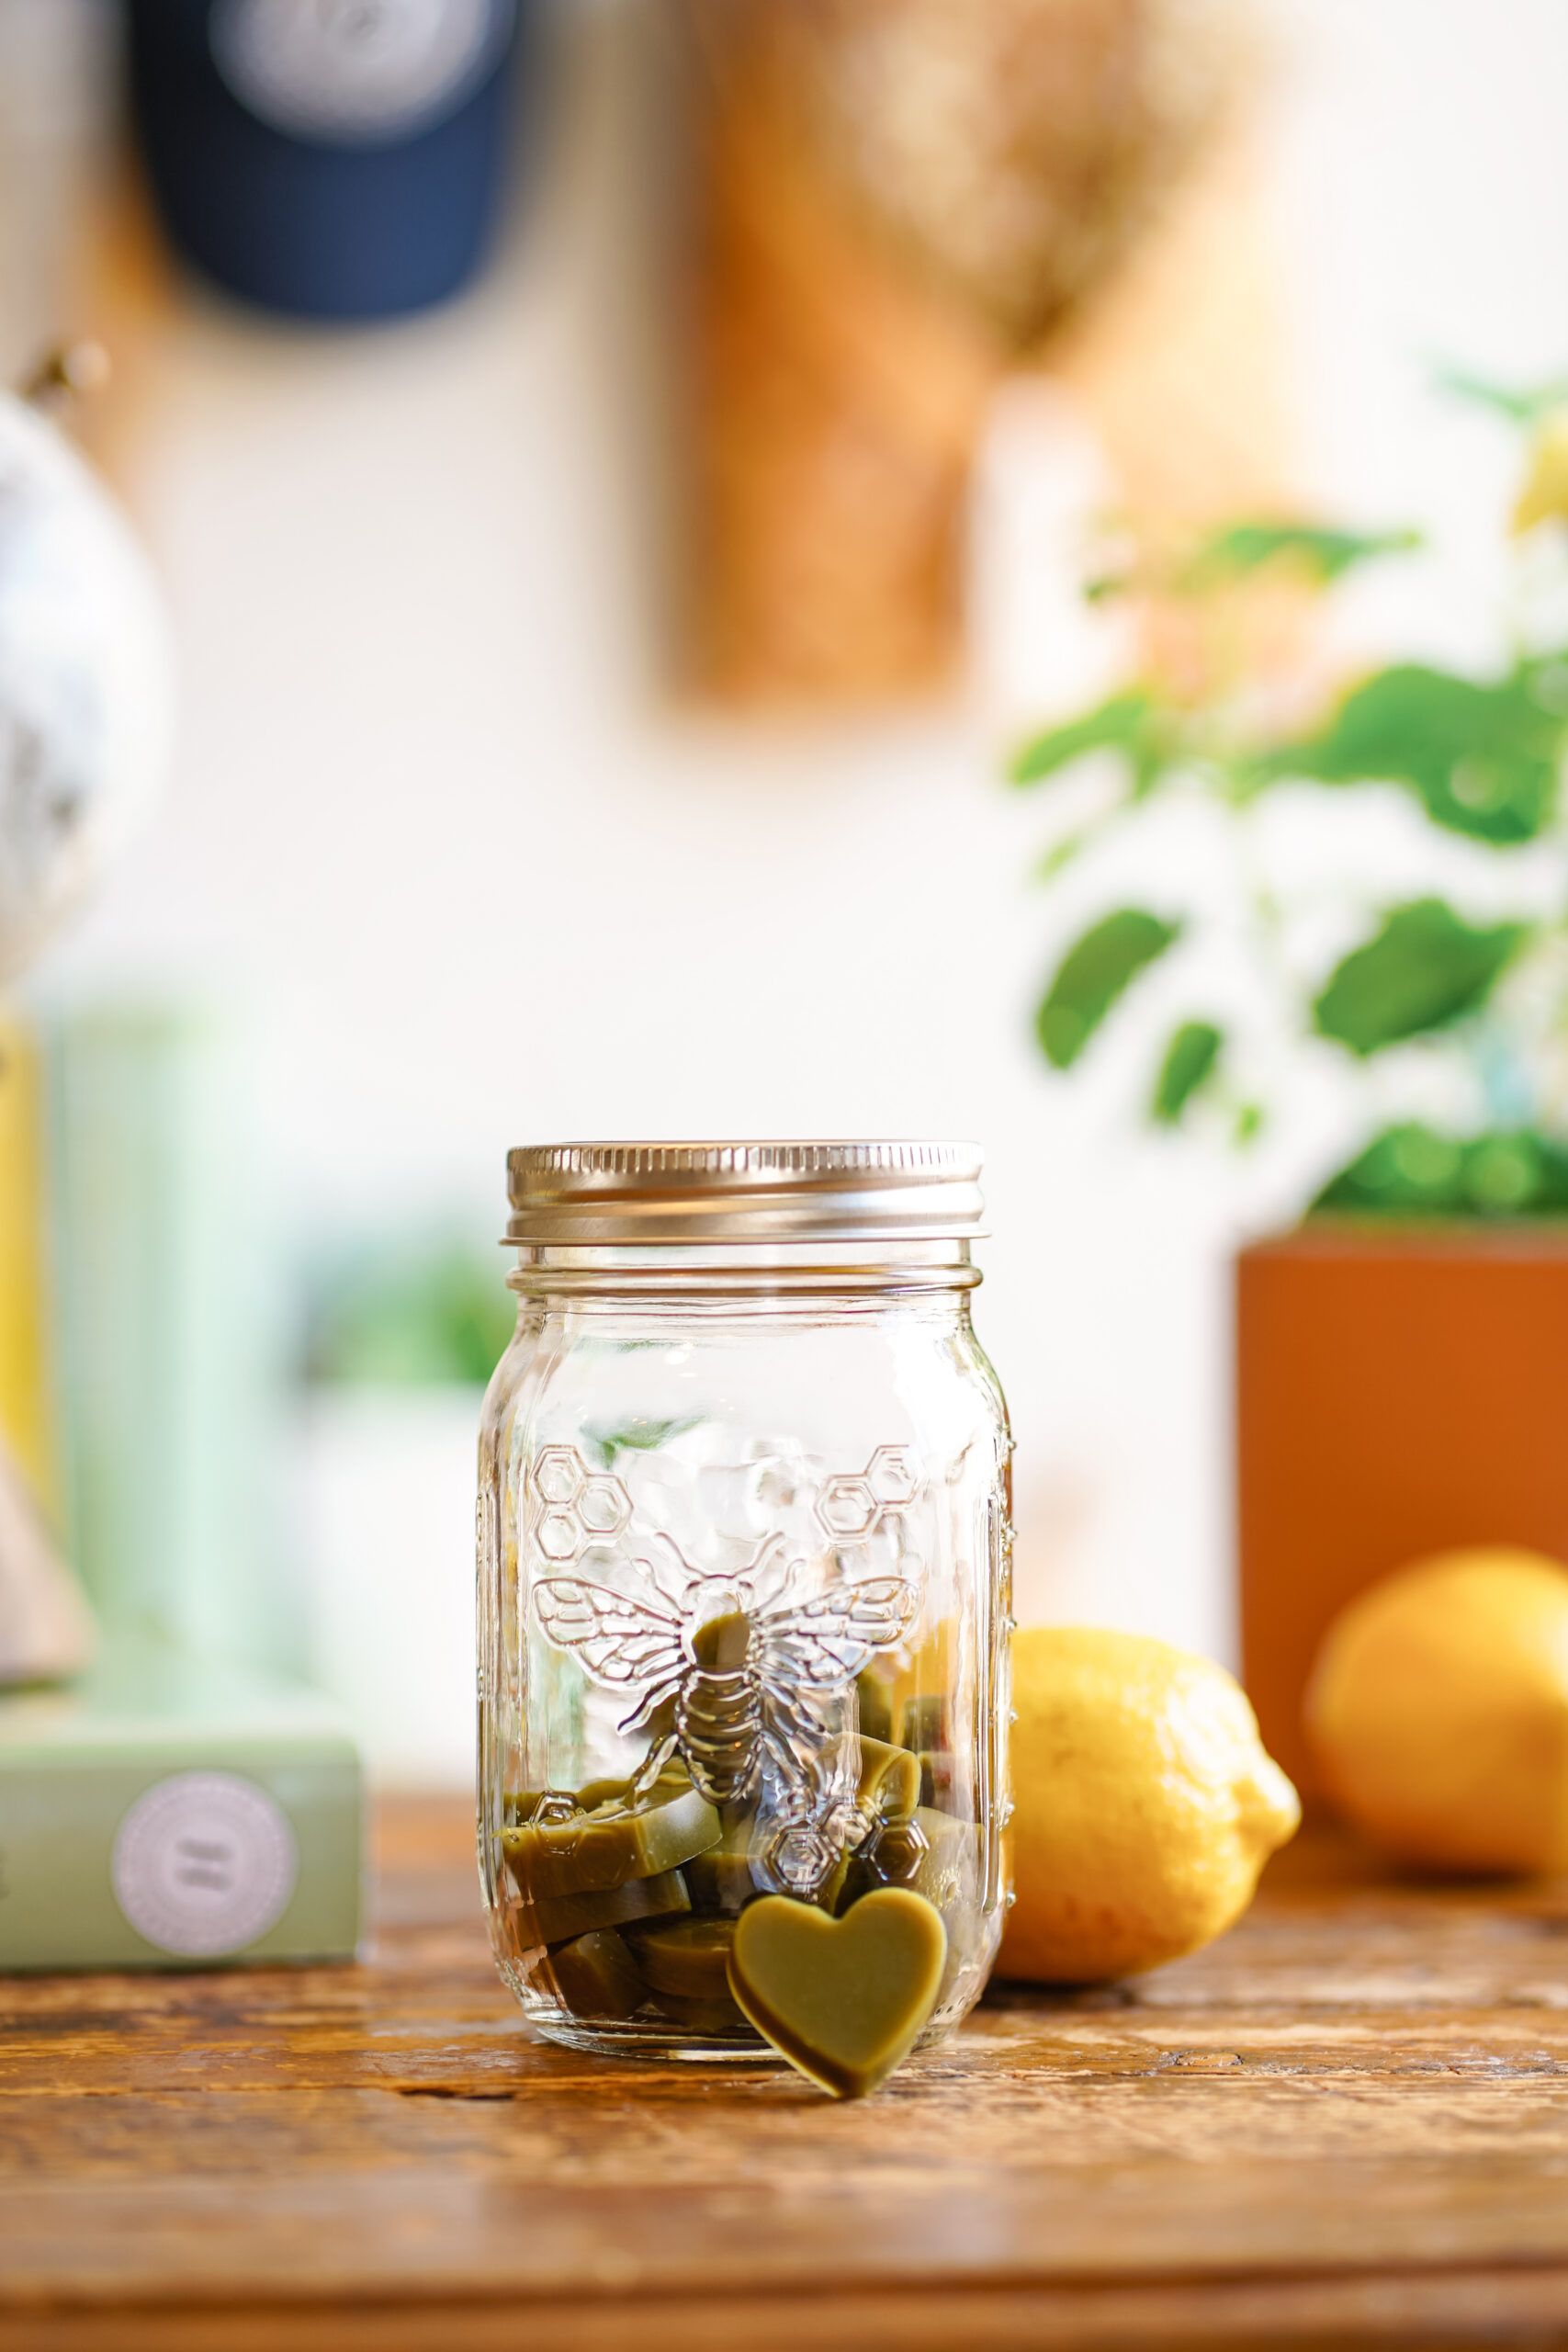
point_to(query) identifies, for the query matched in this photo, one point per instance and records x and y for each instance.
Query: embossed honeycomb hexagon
(891, 1475)
(557, 1808)
(847, 1507)
(557, 1473)
(561, 1538)
(603, 1506)
(898, 1852)
(798, 1857)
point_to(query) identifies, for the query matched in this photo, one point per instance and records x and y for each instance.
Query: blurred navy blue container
(332, 159)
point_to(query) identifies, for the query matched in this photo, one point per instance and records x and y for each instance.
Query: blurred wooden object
(1397, 1395)
(839, 402)
(899, 202)
(1343, 2124)
(58, 62)
(125, 284)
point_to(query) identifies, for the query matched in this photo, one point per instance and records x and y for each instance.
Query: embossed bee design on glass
(744, 1573)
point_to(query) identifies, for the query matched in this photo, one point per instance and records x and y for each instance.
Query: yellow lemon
(1145, 1806)
(1437, 1711)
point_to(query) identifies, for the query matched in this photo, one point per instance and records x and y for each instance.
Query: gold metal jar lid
(627, 1194)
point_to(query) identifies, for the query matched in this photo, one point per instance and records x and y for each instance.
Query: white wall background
(474, 882)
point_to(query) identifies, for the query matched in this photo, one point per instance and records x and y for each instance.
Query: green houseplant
(1402, 1357)
(1229, 721)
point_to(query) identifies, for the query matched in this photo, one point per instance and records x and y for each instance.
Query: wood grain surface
(1345, 2123)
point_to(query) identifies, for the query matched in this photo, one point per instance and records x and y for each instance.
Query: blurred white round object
(86, 681)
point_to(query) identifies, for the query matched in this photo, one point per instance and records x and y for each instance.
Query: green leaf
(1121, 724)
(1091, 976)
(1412, 1171)
(1483, 760)
(1406, 1170)
(417, 1312)
(1189, 1060)
(1243, 547)
(1424, 968)
(1519, 406)
(1517, 1172)
(1060, 855)
(637, 1436)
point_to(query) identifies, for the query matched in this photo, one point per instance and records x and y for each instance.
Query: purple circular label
(204, 1863)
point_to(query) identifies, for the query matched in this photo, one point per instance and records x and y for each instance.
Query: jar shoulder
(827, 1383)
(509, 1381)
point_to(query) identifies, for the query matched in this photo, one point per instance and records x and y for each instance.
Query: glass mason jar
(744, 1573)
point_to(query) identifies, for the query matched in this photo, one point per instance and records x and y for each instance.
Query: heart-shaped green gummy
(844, 2000)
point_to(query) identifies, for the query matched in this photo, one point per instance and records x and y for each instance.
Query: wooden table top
(1347, 2122)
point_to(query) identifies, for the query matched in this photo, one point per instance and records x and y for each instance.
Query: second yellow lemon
(1146, 1805)
(1439, 1712)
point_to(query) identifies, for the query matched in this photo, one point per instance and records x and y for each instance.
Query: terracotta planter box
(1397, 1393)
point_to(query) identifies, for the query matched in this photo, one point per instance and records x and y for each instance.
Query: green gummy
(859, 1879)
(826, 1898)
(593, 1794)
(671, 1781)
(720, 1880)
(610, 1847)
(720, 1877)
(594, 1976)
(522, 1804)
(724, 1644)
(689, 1957)
(950, 1872)
(560, 1917)
(844, 2000)
(942, 1862)
(719, 2014)
(889, 1778)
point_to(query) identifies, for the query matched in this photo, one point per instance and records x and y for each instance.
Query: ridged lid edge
(843, 1190)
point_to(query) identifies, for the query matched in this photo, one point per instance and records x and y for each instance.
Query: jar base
(656, 2042)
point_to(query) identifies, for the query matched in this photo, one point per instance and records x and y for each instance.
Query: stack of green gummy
(630, 1899)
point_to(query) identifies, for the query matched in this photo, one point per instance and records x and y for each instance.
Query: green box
(168, 1812)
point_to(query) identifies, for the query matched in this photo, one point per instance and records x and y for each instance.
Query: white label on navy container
(356, 71)
(204, 1863)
